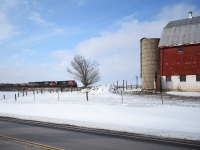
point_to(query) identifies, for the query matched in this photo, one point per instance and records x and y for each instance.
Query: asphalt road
(74, 140)
(11, 145)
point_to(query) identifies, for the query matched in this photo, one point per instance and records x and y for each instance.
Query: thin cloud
(41, 37)
(177, 11)
(26, 50)
(36, 17)
(14, 57)
(128, 18)
(80, 2)
(29, 52)
(59, 31)
(6, 30)
(65, 58)
(25, 2)
(51, 31)
(7, 4)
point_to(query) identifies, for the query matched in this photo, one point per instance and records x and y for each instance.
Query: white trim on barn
(175, 85)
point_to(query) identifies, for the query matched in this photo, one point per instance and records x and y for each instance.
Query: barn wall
(173, 62)
(175, 85)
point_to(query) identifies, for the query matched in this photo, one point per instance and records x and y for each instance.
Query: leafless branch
(84, 70)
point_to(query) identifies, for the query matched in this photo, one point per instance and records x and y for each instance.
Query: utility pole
(136, 81)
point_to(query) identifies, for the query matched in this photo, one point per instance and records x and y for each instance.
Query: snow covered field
(178, 117)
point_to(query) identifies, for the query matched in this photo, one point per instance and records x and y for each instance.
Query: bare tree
(84, 70)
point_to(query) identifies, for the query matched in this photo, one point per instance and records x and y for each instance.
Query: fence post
(4, 96)
(34, 95)
(37, 91)
(50, 90)
(161, 98)
(18, 94)
(122, 97)
(136, 81)
(131, 87)
(126, 84)
(15, 97)
(123, 85)
(117, 84)
(26, 93)
(23, 93)
(87, 95)
(71, 89)
(41, 91)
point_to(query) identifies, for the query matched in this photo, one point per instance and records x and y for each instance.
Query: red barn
(180, 55)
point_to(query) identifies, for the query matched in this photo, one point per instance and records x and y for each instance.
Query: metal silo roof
(180, 32)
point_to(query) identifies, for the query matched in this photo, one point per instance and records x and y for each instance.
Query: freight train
(69, 83)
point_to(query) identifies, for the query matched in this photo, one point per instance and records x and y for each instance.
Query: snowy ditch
(142, 113)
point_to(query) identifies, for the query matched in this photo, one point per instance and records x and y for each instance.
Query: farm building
(179, 51)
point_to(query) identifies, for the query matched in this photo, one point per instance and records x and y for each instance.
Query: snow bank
(167, 121)
(102, 89)
(188, 94)
(138, 89)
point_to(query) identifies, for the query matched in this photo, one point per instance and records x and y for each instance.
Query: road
(25, 136)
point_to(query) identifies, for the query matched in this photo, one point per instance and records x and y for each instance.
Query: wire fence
(129, 99)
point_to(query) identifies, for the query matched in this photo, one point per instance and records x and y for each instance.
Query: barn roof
(181, 32)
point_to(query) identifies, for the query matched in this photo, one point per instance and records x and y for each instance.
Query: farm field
(108, 108)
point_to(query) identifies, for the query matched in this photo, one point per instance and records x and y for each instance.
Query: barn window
(168, 78)
(183, 78)
(198, 77)
(180, 49)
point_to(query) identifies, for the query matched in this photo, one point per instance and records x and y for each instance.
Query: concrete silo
(149, 62)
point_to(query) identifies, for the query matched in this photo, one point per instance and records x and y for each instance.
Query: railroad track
(105, 132)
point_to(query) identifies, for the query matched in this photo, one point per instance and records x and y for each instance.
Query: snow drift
(109, 88)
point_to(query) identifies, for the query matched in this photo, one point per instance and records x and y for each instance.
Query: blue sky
(38, 38)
